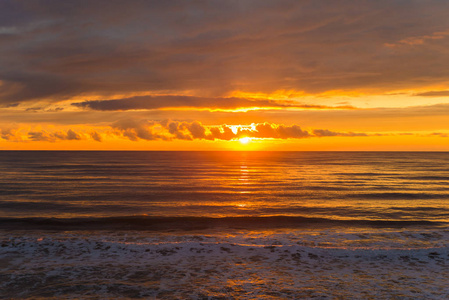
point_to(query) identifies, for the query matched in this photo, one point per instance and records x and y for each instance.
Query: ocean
(224, 225)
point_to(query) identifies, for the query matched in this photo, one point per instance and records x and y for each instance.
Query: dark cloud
(24, 135)
(135, 130)
(46, 136)
(36, 136)
(157, 102)
(44, 109)
(7, 134)
(12, 105)
(71, 135)
(267, 130)
(223, 132)
(96, 136)
(54, 50)
(434, 94)
(326, 133)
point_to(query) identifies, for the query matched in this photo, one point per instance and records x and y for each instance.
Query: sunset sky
(224, 75)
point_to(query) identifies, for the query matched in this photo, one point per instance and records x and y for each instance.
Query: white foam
(301, 264)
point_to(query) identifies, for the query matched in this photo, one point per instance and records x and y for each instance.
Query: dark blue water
(136, 188)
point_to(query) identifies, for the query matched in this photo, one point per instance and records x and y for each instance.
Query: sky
(224, 75)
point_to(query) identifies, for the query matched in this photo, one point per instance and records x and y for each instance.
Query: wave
(244, 266)
(399, 196)
(198, 223)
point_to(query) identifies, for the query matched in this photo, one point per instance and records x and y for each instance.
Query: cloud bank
(23, 135)
(433, 94)
(158, 102)
(169, 130)
(56, 50)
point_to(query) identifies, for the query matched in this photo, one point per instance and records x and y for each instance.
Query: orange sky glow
(249, 75)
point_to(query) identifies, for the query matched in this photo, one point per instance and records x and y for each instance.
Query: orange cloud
(10, 134)
(170, 130)
(21, 135)
(167, 130)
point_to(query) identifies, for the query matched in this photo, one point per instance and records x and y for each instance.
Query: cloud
(44, 109)
(327, 133)
(439, 134)
(41, 135)
(135, 130)
(420, 40)
(58, 50)
(70, 135)
(46, 136)
(267, 130)
(96, 136)
(433, 94)
(10, 134)
(169, 130)
(223, 132)
(158, 102)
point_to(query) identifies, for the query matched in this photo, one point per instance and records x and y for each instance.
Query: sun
(244, 140)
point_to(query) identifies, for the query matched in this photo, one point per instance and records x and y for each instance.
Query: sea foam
(245, 265)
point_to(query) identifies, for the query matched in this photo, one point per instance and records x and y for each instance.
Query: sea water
(223, 225)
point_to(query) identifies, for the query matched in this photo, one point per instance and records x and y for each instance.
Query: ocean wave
(198, 223)
(399, 196)
(120, 265)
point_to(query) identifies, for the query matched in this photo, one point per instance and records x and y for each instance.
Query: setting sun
(245, 140)
(288, 149)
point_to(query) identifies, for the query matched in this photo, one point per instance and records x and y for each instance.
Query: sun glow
(244, 140)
